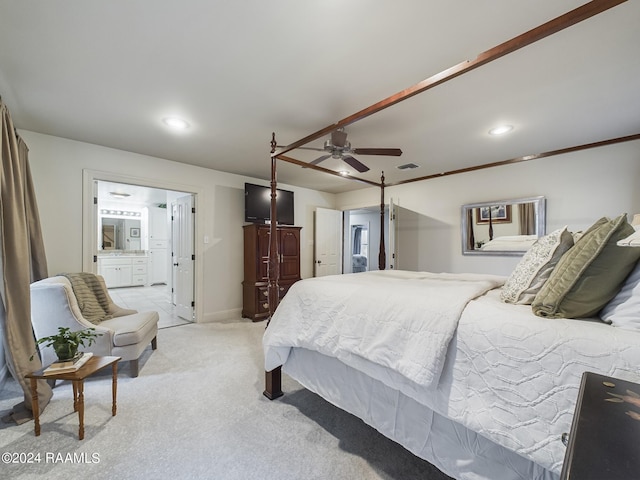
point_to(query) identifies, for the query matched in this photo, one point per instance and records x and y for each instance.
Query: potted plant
(65, 343)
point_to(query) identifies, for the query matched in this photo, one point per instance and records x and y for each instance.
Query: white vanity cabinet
(158, 262)
(159, 253)
(123, 271)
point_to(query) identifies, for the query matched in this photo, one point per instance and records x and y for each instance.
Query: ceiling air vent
(407, 166)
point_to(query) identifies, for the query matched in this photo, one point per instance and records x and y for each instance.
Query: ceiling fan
(339, 147)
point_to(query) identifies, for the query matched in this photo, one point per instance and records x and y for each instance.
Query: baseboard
(222, 316)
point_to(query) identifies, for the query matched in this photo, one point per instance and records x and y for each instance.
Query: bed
(439, 363)
(477, 374)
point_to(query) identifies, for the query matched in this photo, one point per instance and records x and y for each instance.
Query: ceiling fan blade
(338, 138)
(349, 160)
(392, 152)
(320, 159)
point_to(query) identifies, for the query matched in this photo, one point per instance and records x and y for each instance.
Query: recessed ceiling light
(501, 130)
(119, 194)
(175, 123)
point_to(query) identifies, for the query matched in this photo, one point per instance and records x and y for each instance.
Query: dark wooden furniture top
(604, 442)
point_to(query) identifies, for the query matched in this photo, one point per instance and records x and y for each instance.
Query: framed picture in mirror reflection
(497, 213)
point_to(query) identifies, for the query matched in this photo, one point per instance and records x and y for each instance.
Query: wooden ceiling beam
(562, 22)
(525, 158)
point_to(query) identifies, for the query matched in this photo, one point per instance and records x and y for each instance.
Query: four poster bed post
(273, 379)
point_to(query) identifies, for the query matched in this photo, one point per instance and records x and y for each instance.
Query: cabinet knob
(282, 289)
(265, 305)
(265, 293)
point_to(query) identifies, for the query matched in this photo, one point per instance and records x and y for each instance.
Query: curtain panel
(23, 261)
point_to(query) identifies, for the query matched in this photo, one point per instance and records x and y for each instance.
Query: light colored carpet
(197, 411)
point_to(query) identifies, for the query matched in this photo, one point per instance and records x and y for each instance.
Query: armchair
(125, 335)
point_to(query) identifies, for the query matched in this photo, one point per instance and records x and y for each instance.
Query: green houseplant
(65, 343)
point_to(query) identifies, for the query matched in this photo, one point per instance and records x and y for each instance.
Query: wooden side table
(605, 432)
(93, 365)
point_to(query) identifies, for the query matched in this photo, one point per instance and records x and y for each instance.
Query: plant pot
(65, 351)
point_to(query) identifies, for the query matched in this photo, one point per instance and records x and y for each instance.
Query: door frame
(90, 222)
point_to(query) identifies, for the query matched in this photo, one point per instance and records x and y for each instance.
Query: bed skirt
(454, 449)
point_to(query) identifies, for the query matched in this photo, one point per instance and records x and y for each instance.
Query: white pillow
(535, 267)
(624, 309)
(632, 240)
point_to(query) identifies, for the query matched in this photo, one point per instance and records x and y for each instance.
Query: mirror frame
(541, 222)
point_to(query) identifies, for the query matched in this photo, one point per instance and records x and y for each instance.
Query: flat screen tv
(257, 205)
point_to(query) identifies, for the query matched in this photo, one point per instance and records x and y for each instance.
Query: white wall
(580, 187)
(57, 166)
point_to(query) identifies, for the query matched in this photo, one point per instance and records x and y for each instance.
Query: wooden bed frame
(273, 379)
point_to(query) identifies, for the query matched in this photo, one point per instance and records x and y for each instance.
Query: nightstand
(604, 442)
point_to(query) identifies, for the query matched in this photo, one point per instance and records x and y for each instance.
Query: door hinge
(193, 257)
(95, 258)
(193, 304)
(95, 200)
(193, 209)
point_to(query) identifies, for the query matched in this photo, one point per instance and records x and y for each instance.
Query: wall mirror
(119, 234)
(502, 227)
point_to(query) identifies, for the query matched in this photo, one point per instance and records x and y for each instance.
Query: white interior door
(328, 242)
(183, 256)
(96, 235)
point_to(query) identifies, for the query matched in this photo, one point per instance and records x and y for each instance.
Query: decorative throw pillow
(590, 274)
(624, 310)
(535, 267)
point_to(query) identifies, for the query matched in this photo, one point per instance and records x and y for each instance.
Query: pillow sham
(624, 310)
(590, 274)
(535, 267)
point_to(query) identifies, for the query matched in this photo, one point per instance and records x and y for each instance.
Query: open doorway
(361, 240)
(134, 250)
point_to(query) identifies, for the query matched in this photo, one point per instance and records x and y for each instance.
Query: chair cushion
(131, 329)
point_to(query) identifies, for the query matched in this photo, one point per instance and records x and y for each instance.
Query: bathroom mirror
(502, 227)
(119, 234)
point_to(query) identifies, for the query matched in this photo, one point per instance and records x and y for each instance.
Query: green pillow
(590, 273)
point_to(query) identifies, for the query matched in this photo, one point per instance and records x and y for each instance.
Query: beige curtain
(527, 215)
(23, 261)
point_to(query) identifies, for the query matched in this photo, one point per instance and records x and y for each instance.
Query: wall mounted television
(257, 205)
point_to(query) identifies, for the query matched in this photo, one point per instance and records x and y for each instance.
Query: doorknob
(319, 261)
(175, 264)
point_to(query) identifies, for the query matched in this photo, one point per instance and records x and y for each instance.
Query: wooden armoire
(255, 295)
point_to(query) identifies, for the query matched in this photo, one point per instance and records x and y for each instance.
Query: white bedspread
(507, 374)
(404, 322)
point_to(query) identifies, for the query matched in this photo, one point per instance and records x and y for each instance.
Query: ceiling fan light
(500, 130)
